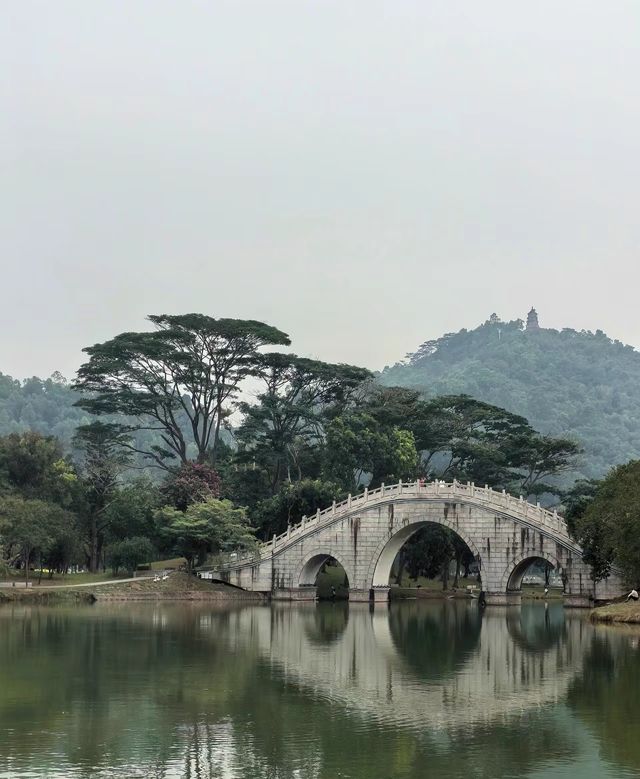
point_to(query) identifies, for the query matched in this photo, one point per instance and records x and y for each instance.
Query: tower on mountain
(532, 320)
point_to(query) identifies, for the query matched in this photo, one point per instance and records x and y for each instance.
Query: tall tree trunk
(445, 574)
(457, 576)
(94, 549)
(202, 455)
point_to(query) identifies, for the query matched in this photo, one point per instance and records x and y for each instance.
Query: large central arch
(386, 552)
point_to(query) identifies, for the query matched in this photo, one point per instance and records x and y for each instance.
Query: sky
(364, 175)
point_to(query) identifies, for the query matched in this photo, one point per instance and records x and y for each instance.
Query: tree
(193, 483)
(463, 438)
(132, 508)
(428, 553)
(538, 457)
(179, 380)
(357, 445)
(205, 528)
(608, 529)
(105, 457)
(65, 548)
(577, 499)
(293, 501)
(33, 466)
(30, 525)
(130, 553)
(290, 417)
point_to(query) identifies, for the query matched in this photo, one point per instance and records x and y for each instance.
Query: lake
(406, 691)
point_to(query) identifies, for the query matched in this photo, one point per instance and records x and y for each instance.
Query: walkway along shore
(178, 586)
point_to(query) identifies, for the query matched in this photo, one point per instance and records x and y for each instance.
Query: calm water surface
(307, 692)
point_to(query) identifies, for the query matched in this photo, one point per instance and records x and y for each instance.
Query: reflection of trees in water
(194, 692)
(606, 695)
(326, 622)
(435, 639)
(114, 683)
(537, 627)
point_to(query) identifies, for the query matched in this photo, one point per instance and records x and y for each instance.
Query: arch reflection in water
(312, 692)
(420, 665)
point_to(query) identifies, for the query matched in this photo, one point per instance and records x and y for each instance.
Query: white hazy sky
(362, 174)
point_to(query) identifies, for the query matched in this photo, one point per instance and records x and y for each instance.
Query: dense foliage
(605, 519)
(580, 385)
(43, 406)
(163, 400)
(49, 407)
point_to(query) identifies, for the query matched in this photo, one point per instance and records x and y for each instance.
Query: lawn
(88, 578)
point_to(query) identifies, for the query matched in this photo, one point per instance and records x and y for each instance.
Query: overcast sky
(364, 175)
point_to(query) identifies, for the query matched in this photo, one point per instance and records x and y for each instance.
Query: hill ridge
(565, 382)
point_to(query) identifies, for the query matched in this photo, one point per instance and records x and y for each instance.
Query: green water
(307, 692)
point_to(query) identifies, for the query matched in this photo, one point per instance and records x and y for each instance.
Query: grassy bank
(622, 613)
(179, 586)
(45, 597)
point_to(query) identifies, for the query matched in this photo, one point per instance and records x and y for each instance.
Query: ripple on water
(307, 693)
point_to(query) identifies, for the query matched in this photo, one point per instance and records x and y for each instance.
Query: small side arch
(313, 562)
(385, 554)
(512, 577)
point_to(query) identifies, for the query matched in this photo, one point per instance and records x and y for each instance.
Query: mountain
(43, 405)
(581, 384)
(47, 407)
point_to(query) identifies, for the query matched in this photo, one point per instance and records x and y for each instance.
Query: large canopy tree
(179, 380)
(360, 450)
(460, 437)
(299, 397)
(104, 459)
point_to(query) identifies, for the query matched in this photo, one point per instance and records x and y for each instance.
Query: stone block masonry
(365, 533)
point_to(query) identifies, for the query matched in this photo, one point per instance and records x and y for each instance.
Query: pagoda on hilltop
(532, 320)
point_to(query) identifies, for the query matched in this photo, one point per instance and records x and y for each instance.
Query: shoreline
(616, 614)
(178, 587)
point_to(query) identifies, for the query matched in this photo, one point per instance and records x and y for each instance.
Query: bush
(130, 553)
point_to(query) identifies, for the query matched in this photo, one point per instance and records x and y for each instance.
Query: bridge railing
(489, 498)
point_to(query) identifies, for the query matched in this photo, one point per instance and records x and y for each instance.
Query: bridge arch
(515, 571)
(313, 562)
(387, 550)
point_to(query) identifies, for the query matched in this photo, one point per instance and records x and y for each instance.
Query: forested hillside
(581, 384)
(43, 405)
(566, 382)
(46, 406)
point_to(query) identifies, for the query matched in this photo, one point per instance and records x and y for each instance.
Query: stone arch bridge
(365, 533)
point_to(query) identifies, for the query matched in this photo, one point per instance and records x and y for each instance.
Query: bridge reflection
(312, 691)
(417, 664)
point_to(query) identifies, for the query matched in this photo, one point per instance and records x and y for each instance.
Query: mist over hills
(565, 382)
